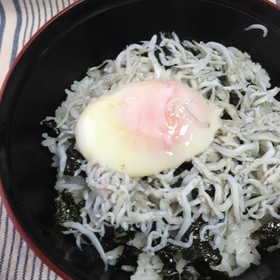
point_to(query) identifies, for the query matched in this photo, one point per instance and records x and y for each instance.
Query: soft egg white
(146, 127)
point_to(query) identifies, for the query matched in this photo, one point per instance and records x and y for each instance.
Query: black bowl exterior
(83, 36)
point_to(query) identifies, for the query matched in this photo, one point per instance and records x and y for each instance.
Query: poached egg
(146, 127)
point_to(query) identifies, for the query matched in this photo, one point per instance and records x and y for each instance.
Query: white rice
(242, 163)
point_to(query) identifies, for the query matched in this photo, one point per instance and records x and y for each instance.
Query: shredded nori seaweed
(200, 251)
(226, 116)
(66, 209)
(91, 253)
(167, 254)
(116, 237)
(233, 98)
(177, 184)
(129, 256)
(268, 235)
(170, 274)
(211, 191)
(223, 80)
(200, 255)
(130, 253)
(194, 193)
(124, 236)
(187, 275)
(74, 160)
(181, 168)
(169, 270)
(165, 50)
(50, 127)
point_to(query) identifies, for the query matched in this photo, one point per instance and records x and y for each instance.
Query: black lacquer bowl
(82, 36)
